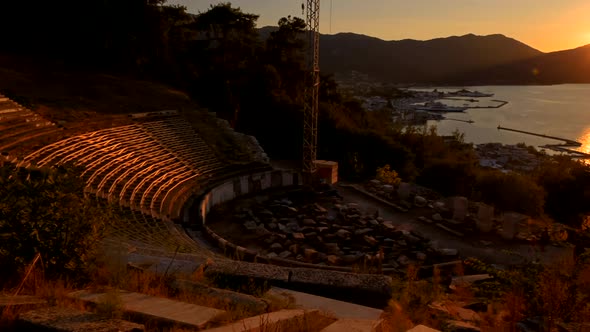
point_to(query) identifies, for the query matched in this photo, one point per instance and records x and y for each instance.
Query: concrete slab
(283, 320)
(21, 302)
(339, 309)
(9, 110)
(61, 319)
(156, 308)
(353, 325)
(422, 328)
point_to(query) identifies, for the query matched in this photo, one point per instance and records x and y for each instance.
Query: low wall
(243, 185)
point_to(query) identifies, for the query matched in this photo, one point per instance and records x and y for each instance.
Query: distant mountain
(570, 66)
(413, 61)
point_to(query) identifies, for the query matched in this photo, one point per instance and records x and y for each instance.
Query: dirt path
(499, 252)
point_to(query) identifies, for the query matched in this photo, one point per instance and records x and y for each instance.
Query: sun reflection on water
(585, 140)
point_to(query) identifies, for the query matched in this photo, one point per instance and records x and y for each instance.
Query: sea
(554, 110)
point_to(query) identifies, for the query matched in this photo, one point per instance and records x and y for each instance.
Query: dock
(568, 142)
(459, 120)
(501, 103)
(565, 147)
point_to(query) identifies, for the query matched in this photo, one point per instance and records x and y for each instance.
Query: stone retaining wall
(244, 185)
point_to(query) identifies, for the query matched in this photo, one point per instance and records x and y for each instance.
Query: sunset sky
(547, 25)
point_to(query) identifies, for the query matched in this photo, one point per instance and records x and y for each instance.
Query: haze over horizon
(546, 25)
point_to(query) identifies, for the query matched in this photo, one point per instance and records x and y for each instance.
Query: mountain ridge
(468, 58)
(415, 61)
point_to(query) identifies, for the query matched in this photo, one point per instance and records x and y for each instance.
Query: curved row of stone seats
(146, 233)
(19, 125)
(140, 166)
(179, 138)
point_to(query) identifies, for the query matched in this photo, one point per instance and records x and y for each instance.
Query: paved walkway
(157, 308)
(339, 309)
(500, 252)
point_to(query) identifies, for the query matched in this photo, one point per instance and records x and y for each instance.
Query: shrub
(511, 192)
(388, 176)
(448, 176)
(44, 211)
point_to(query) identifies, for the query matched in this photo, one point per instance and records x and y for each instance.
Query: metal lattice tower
(312, 89)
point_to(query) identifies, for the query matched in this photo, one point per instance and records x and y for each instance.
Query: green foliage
(388, 176)
(558, 292)
(44, 211)
(511, 192)
(567, 183)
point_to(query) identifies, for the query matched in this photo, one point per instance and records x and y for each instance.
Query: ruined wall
(246, 184)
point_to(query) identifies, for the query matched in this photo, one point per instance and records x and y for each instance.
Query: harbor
(563, 148)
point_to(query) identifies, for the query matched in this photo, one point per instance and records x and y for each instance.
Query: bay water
(555, 110)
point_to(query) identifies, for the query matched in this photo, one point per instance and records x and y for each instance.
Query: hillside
(413, 61)
(569, 66)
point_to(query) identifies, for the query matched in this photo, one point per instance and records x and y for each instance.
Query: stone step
(441, 226)
(61, 319)
(339, 309)
(158, 309)
(20, 303)
(354, 325)
(283, 320)
(422, 328)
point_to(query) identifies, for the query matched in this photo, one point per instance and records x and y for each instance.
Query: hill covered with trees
(218, 59)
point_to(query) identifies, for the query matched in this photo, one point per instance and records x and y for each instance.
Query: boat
(468, 93)
(435, 106)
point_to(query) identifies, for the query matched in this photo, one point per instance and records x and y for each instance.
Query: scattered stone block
(510, 225)
(283, 320)
(370, 240)
(460, 205)
(485, 215)
(21, 302)
(276, 247)
(352, 205)
(285, 254)
(310, 254)
(62, 319)
(354, 325)
(309, 222)
(439, 206)
(158, 309)
(375, 182)
(448, 252)
(250, 304)
(420, 201)
(468, 280)
(458, 326)
(334, 260)
(441, 226)
(343, 234)
(422, 328)
(404, 190)
(437, 217)
(403, 260)
(298, 236)
(250, 225)
(387, 188)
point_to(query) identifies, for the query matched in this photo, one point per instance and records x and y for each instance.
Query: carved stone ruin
(485, 214)
(510, 225)
(459, 208)
(403, 191)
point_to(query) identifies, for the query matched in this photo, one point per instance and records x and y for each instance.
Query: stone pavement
(354, 325)
(283, 320)
(499, 253)
(20, 302)
(61, 319)
(159, 309)
(339, 309)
